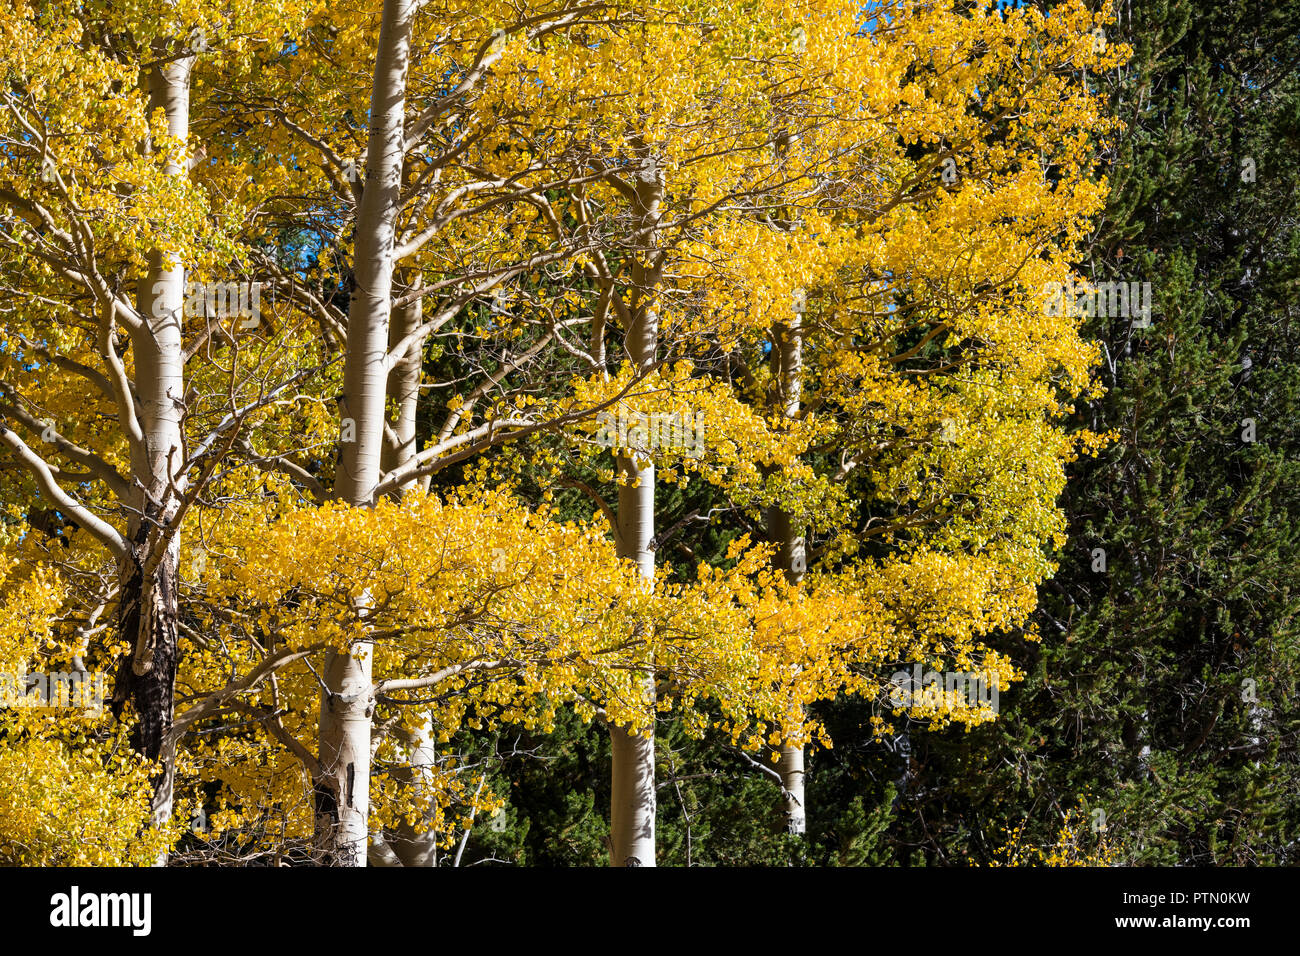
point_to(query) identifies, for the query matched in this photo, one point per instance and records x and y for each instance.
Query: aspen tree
(101, 228)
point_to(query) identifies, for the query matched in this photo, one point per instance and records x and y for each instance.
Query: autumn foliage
(395, 481)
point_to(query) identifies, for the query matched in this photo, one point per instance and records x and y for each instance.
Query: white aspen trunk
(365, 375)
(410, 844)
(791, 556)
(632, 799)
(416, 844)
(342, 784)
(632, 773)
(148, 582)
(632, 802)
(404, 385)
(793, 808)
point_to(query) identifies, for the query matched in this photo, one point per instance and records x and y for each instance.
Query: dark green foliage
(1138, 703)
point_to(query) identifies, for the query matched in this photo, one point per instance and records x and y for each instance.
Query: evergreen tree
(1162, 700)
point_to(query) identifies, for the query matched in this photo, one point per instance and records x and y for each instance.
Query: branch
(273, 724)
(419, 683)
(217, 699)
(285, 466)
(98, 466)
(771, 772)
(106, 534)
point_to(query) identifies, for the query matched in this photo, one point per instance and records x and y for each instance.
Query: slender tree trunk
(791, 556)
(632, 801)
(404, 384)
(148, 576)
(416, 844)
(793, 800)
(365, 373)
(410, 843)
(342, 785)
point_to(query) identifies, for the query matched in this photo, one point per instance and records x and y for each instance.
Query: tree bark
(632, 800)
(409, 844)
(342, 784)
(416, 844)
(148, 575)
(632, 803)
(404, 385)
(791, 555)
